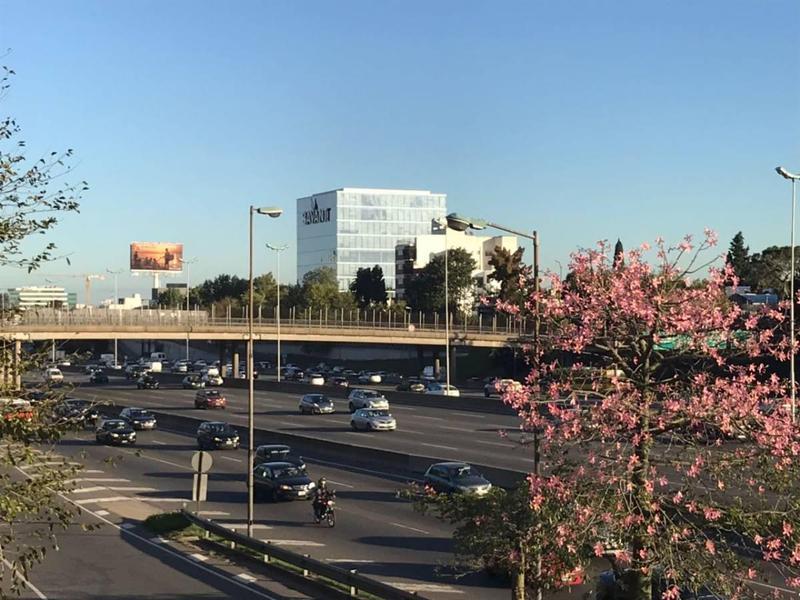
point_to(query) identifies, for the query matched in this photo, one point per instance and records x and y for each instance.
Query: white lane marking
(409, 528)
(347, 485)
(295, 543)
(150, 499)
(87, 490)
(106, 499)
(438, 446)
(424, 587)
(287, 423)
(198, 557)
(161, 460)
(246, 577)
(32, 587)
(461, 429)
(102, 513)
(244, 525)
(412, 432)
(99, 480)
(158, 539)
(238, 460)
(127, 525)
(160, 443)
(214, 513)
(113, 489)
(349, 560)
(431, 418)
(470, 415)
(501, 445)
(92, 471)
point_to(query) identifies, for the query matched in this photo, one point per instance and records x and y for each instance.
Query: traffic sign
(202, 461)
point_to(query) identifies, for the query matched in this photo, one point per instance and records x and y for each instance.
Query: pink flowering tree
(663, 424)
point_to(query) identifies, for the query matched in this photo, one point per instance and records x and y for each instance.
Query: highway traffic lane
(475, 441)
(376, 533)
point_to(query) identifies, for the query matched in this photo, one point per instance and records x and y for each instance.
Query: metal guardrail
(351, 580)
(497, 324)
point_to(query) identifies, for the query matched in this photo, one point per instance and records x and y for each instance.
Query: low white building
(410, 258)
(125, 303)
(40, 296)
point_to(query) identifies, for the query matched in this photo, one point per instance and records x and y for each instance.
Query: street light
(273, 212)
(188, 262)
(116, 273)
(278, 250)
(793, 178)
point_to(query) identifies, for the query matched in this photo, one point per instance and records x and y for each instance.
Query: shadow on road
(427, 543)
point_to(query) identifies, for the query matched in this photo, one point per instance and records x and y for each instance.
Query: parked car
(180, 366)
(411, 385)
(292, 374)
(369, 377)
(139, 418)
(316, 404)
(192, 382)
(339, 382)
(117, 432)
(366, 399)
(371, 419)
(91, 368)
(456, 477)
(281, 481)
(76, 409)
(277, 453)
(264, 365)
(199, 365)
(441, 389)
(316, 379)
(98, 377)
(243, 372)
(147, 382)
(209, 379)
(133, 372)
(392, 378)
(215, 435)
(209, 399)
(53, 376)
(498, 387)
(65, 362)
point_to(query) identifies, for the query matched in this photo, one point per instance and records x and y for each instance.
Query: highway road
(448, 434)
(376, 533)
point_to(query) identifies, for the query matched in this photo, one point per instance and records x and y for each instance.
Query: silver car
(366, 399)
(316, 404)
(371, 419)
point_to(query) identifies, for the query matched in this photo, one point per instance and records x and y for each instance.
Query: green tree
(425, 290)
(739, 258)
(771, 269)
(369, 286)
(222, 287)
(30, 506)
(507, 270)
(171, 298)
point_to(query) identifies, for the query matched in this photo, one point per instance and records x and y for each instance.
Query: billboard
(156, 256)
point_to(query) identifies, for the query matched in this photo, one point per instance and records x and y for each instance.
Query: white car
(53, 376)
(498, 387)
(367, 399)
(209, 379)
(370, 419)
(316, 379)
(180, 367)
(442, 389)
(368, 377)
(316, 404)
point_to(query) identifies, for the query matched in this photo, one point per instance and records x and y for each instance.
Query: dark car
(98, 377)
(116, 432)
(292, 374)
(139, 418)
(209, 399)
(339, 382)
(277, 453)
(215, 435)
(281, 481)
(316, 404)
(411, 385)
(75, 409)
(147, 382)
(456, 477)
(192, 382)
(135, 372)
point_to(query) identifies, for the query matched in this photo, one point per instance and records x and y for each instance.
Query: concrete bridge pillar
(222, 351)
(235, 363)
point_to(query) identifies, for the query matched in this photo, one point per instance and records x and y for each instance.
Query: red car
(209, 399)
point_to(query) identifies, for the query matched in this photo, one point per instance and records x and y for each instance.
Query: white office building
(40, 296)
(413, 256)
(350, 228)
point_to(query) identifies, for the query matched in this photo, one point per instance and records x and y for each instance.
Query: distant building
(414, 256)
(40, 296)
(749, 301)
(350, 228)
(125, 303)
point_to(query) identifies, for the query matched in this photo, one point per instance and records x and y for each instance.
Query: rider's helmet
(322, 484)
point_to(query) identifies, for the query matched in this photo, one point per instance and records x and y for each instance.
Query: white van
(53, 375)
(159, 356)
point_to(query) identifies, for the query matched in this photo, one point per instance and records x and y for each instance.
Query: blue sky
(586, 120)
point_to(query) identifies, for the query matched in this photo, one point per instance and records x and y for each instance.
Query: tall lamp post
(278, 250)
(188, 262)
(793, 178)
(273, 212)
(462, 223)
(115, 273)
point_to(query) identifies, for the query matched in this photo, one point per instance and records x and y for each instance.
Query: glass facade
(366, 226)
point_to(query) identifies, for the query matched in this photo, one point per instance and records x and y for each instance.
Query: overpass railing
(316, 320)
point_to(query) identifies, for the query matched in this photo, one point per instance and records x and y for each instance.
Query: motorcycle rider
(322, 494)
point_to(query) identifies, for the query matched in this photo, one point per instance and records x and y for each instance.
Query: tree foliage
(172, 298)
(369, 286)
(30, 506)
(691, 452)
(739, 258)
(771, 269)
(425, 289)
(510, 273)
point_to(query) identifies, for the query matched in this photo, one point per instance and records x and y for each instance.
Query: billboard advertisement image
(156, 256)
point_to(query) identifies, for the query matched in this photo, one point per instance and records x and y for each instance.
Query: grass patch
(167, 523)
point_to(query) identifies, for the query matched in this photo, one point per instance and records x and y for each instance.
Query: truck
(107, 359)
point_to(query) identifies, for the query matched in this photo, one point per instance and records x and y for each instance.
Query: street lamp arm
(512, 231)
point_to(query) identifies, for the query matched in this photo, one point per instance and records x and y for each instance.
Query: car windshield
(318, 399)
(221, 428)
(213, 394)
(378, 413)
(288, 472)
(463, 472)
(371, 394)
(115, 425)
(140, 414)
(78, 403)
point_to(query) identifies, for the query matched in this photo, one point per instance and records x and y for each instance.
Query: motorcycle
(324, 512)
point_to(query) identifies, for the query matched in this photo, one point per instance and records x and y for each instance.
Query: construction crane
(87, 283)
